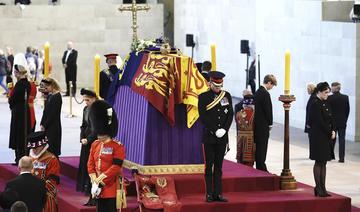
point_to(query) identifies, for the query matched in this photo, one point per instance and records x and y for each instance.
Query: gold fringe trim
(165, 169)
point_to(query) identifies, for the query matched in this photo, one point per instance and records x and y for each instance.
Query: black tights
(319, 176)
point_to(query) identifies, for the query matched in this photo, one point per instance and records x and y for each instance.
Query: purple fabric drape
(148, 137)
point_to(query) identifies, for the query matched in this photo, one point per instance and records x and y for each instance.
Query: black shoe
(220, 198)
(209, 198)
(90, 203)
(341, 161)
(320, 193)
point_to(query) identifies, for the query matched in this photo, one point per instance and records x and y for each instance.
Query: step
(300, 200)
(236, 178)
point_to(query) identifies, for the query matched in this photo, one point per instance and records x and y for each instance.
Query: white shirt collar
(25, 172)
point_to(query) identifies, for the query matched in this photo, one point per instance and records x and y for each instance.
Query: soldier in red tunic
(106, 157)
(46, 167)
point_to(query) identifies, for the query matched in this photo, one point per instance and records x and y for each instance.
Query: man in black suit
(216, 113)
(340, 108)
(26, 184)
(69, 62)
(263, 120)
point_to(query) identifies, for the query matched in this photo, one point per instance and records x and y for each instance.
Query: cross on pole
(134, 8)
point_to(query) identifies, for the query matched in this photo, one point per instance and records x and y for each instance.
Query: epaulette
(118, 142)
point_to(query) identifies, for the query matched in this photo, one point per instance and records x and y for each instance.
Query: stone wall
(320, 50)
(94, 28)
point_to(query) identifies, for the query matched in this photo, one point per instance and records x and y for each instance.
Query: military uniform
(216, 113)
(107, 76)
(106, 158)
(46, 168)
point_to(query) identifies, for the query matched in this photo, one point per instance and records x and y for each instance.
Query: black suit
(30, 190)
(263, 120)
(340, 108)
(70, 70)
(220, 116)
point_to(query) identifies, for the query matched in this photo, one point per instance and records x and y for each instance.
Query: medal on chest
(107, 151)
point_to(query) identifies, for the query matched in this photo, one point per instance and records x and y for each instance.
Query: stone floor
(342, 178)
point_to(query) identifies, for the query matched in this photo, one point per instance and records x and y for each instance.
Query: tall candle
(96, 74)
(46, 59)
(287, 73)
(213, 57)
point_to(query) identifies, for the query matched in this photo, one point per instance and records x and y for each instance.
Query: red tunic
(47, 168)
(32, 95)
(104, 165)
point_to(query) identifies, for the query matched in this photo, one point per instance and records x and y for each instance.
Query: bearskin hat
(103, 119)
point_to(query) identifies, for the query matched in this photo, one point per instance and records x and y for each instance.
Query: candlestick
(213, 57)
(96, 74)
(46, 59)
(287, 73)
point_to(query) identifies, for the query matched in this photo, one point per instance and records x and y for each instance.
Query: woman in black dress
(87, 137)
(51, 118)
(321, 135)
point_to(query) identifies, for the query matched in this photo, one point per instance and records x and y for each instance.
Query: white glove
(95, 190)
(220, 133)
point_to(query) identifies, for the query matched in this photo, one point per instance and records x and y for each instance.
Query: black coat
(321, 125)
(30, 189)
(340, 108)
(83, 181)
(218, 117)
(263, 117)
(18, 115)
(51, 121)
(71, 66)
(310, 101)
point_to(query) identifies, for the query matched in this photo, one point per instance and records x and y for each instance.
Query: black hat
(110, 56)
(216, 77)
(87, 92)
(103, 119)
(322, 86)
(36, 139)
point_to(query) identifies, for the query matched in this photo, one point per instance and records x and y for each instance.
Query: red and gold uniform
(47, 168)
(104, 166)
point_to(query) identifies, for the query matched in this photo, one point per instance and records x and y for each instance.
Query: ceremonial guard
(87, 137)
(108, 75)
(46, 167)
(244, 117)
(106, 158)
(20, 113)
(216, 113)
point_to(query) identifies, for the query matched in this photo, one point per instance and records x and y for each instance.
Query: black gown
(83, 183)
(51, 121)
(17, 125)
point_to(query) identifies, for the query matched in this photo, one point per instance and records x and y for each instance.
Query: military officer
(108, 75)
(106, 157)
(216, 113)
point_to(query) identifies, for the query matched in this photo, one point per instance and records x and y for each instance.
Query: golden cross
(134, 8)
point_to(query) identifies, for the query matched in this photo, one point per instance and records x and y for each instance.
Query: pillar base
(287, 181)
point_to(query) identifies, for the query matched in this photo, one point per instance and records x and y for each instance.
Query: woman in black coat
(50, 120)
(321, 135)
(87, 137)
(20, 113)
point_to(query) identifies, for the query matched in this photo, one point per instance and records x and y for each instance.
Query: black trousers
(70, 75)
(261, 149)
(106, 205)
(214, 156)
(341, 134)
